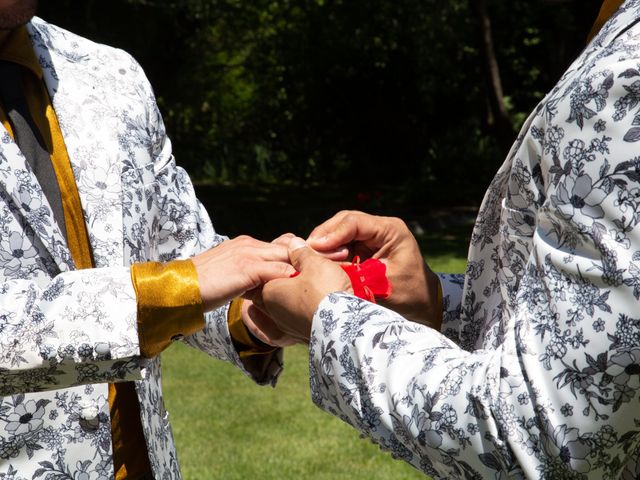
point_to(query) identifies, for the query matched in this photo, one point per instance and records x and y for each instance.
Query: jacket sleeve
(58, 327)
(458, 414)
(185, 229)
(452, 285)
(67, 332)
(80, 327)
(556, 394)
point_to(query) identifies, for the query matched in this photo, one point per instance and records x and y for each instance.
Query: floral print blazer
(65, 333)
(536, 373)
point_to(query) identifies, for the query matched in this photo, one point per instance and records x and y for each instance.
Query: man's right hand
(237, 266)
(415, 286)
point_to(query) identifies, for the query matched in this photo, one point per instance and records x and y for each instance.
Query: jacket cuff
(169, 303)
(246, 344)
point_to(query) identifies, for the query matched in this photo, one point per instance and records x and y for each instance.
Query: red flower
(369, 279)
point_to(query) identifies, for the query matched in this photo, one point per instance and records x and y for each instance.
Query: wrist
(434, 293)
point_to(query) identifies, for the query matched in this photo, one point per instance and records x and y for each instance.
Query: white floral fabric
(64, 333)
(536, 373)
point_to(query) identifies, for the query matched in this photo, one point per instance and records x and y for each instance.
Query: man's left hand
(263, 327)
(292, 302)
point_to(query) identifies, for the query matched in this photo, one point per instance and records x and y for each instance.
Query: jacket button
(89, 416)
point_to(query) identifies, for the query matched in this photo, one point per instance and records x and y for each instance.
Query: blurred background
(286, 111)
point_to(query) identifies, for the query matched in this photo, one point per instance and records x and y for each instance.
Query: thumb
(300, 254)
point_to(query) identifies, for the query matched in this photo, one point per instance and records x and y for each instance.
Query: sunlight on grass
(448, 264)
(228, 428)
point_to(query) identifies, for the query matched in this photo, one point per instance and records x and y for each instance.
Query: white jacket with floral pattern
(536, 373)
(65, 333)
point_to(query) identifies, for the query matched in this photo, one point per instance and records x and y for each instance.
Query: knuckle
(398, 223)
(352, 213)
(344, 215)
(350, 218)
(244, 239)
(285, 236)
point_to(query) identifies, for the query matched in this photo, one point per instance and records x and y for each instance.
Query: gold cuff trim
(169, 303)
(245, 343)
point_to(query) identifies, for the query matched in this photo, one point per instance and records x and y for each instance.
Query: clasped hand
(280, 309)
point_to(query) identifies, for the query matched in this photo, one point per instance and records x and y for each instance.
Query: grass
(227, 428)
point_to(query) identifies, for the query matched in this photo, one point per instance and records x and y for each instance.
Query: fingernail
(296, 243)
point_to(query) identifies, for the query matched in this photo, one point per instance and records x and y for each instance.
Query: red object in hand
(368, 279)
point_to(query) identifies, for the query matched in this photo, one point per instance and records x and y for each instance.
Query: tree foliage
(375, 92)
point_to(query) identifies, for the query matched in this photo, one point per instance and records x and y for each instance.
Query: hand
(388, 239)
(259, 323)
(236, 266)
(263, 327)
(291, 302)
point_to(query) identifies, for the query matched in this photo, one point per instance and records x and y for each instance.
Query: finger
(273, 329)
(338, 255)
(300, 255)
(266, 329)
(246, 246)
(254, 295)
(352, 227)
(264, 272)
(261, 326)
(283, 239)
(328, 226)
(252, 322)
(271, 251)
(258, 294)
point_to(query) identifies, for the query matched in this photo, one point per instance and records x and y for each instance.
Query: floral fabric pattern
(60, 337)
(536, 373)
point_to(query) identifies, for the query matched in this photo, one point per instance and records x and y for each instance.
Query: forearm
(387, 377)
(67, 332)
(446, 411)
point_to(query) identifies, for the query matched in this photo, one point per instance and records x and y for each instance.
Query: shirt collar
(18, 48)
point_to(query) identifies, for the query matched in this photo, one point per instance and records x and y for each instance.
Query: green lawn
(227, 428)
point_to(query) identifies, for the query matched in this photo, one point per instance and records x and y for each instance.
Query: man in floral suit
(91, 201)
(527, 366)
